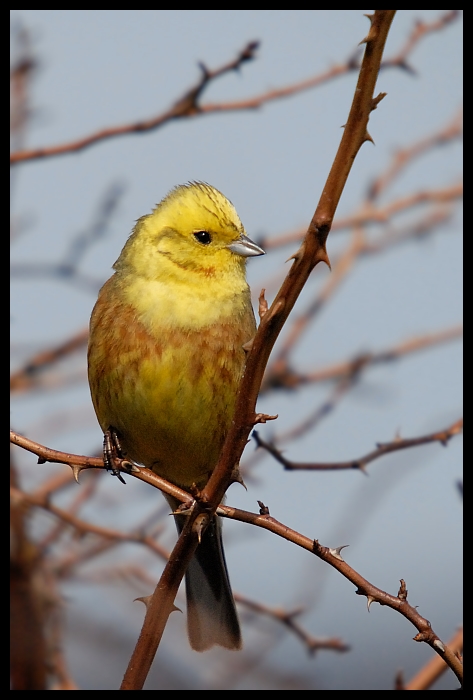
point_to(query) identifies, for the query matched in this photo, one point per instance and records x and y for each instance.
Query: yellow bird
(165, 360)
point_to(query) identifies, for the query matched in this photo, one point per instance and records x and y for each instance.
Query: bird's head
(195, 228)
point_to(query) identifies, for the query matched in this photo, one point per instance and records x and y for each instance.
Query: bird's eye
(203, 237)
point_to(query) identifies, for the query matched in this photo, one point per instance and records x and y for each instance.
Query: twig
(368, 214)
(373, 594)
(188, 105)
(289, 379)
(80, 462)
(22, 379)
(452, 130)
(286, 618)
(434, 668)
(442, 436)
(20, 497)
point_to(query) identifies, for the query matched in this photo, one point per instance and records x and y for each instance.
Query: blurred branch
(287, 619)
(22, 498)
(68, 267)
(420, 30)
(442, 436)
(368, 214)
(188, 105)
(287, 378)
(21, 74)
(24, 379)
(403, 156)
(278, 371)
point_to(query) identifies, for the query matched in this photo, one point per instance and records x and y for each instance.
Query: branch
(288, 379)
(434, 668)
(188, 105)
(309, 255)
(79, 462)
(420, 30)
(373, 594)
(263, 520)
(442, 436)
(21, 498)
(24, 378)
(368, 214)
(287, 619)
(402, 157)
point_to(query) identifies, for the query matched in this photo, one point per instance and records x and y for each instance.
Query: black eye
(203, 237)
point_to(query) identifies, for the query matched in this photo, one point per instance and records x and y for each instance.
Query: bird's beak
(245, 247)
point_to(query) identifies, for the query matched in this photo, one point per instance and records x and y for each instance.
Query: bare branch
(442, 436)
(434, 668)
(287, 618)
(373, 594)
(24, 378)
(289, 379)
(188, 105)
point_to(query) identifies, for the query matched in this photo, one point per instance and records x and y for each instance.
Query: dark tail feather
(211, 614)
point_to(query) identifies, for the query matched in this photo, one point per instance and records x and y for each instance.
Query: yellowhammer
(165, 360)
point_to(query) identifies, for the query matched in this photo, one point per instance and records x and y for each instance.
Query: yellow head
(195, 228)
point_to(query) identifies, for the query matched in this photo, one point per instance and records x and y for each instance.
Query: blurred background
(393, 298)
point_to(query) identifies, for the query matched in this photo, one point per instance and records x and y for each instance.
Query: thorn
(130, 467)
(263, 418)
(247, 346)
(335, 552)
(262, 304)
(200, 525)
(263, 510)
(76, 470)
(323, 257)
(369, 600)
(438, 644)
(369, 36)
(204, 69)
(361, 466)
(236, 476)
(368, 137)
(144, 599)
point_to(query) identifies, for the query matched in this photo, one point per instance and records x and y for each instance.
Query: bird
(165, 359)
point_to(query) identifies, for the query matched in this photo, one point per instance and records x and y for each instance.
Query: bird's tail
(211, 613)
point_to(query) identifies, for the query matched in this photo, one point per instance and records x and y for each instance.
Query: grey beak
(245, 247)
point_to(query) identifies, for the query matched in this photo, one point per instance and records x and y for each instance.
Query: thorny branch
(266, 521)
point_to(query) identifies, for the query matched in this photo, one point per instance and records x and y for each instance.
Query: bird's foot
(113, 455)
